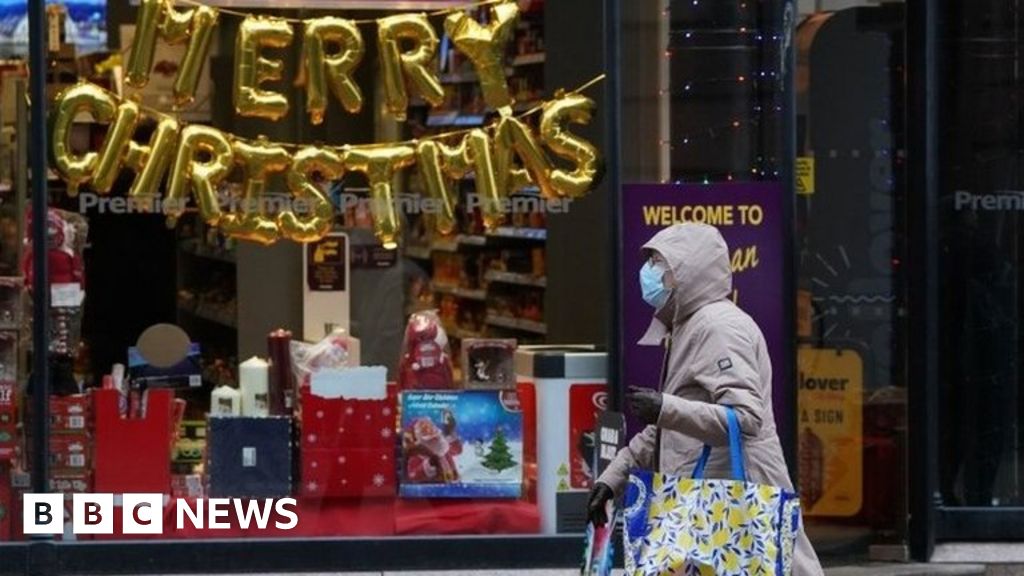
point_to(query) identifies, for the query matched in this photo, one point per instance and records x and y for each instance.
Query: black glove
(646, 404)
(600, 494)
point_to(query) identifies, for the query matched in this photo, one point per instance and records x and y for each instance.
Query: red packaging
(71, 451)
(6, 504)
(348, 446)
(70, 413)
(71, 481)
(187, 486)
(348, 473)
(8, 421)
(331, 423)
(132, 454)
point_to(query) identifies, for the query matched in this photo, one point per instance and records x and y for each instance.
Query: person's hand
(600, 494)
(646, 403)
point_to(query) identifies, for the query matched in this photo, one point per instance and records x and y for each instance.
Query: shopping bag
(699, 527)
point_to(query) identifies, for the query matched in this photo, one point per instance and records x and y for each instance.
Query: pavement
(862, 570)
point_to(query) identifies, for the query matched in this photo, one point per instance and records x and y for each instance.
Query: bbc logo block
(144, 513)
(93, 514)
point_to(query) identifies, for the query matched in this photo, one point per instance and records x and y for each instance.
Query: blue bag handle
(735, 450)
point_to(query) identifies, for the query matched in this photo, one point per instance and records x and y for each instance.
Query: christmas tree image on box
(499, 457)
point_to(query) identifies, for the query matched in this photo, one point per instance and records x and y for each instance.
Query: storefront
(379, 258)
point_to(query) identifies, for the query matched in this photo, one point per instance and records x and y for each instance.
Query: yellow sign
(831, 390)
(805, 175)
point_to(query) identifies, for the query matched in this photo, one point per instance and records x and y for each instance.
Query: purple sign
(750, 217)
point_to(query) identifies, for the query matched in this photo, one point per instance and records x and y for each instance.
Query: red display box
(72, 413)
(8, 421)
(71, 481)
(348, 473)
(6, 504)
(133, 454)
(72, 451)
(348, 446)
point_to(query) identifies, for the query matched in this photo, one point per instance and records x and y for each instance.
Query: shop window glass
(373, 374)
(851, 187)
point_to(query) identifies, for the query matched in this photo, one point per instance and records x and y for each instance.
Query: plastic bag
(331, 352)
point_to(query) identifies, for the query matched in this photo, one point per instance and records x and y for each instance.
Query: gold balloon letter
(82, 97)
(258, 160)
(486, 47)
(332, 70)
(514, 138)
(201, 177)
(380, 163)
(251, 69)
(158, 18)
(418, 63)
(204, 20)
(149, 162)
(576, 109)
(317, 224)
(438, 162)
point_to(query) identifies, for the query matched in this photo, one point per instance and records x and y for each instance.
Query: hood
(698, 260)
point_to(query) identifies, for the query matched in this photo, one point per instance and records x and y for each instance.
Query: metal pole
(613, 103)
(41, 277)
(923, 21)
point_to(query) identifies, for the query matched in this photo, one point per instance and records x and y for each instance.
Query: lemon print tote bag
(701, 527)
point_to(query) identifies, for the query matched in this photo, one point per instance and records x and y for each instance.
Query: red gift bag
(132, 454)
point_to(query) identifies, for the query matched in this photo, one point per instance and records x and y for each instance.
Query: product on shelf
(254, 384)
(225, 401)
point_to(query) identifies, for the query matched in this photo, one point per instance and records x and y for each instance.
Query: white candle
(225, 401)
(254, 378)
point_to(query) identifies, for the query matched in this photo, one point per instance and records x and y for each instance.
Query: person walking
(715, 357)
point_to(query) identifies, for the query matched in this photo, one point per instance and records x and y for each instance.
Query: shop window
(381, 373)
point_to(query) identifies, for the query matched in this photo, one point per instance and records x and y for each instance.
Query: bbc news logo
(144, 513)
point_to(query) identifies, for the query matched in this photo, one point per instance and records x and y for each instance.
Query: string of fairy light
(680, 41)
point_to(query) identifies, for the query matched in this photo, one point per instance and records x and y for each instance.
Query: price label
(76, 422)
(66, 295)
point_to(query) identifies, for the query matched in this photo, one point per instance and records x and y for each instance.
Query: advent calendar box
(249, 457)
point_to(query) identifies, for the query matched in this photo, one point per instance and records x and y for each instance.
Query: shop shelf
(521, 233)
(209, 317)
(459, 292)
(202, 251)
(516, 278)
(418, 252)
(518, 324)
(529, 59)
(461, 333)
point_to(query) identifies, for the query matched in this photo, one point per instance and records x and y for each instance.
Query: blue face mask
(654, 291)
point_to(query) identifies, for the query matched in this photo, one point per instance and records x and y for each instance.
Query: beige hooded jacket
(717, 358)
